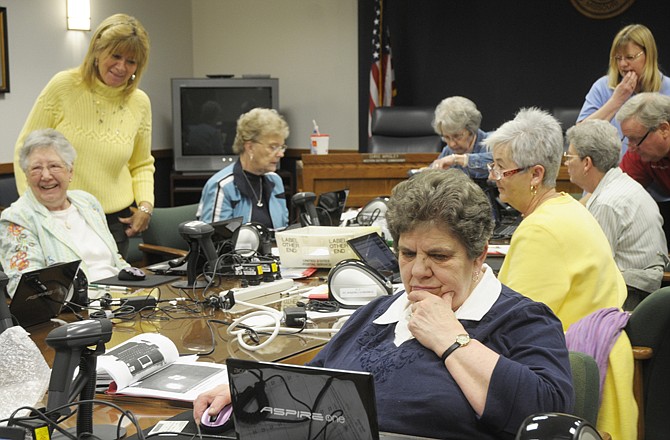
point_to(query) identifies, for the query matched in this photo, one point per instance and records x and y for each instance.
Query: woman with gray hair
(452, 353)
(250, 188)
(49, 224)
(559, 255)
(457, 121)
(625, 211)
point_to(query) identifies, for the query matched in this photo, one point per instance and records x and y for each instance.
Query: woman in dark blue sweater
(456, 354)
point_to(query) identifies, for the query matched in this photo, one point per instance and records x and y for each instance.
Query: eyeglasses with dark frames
(634, 143)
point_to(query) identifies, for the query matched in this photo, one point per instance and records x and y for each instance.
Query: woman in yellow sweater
(559, 255)
(99, 108)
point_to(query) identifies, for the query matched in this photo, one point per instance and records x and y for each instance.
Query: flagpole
(380, 92)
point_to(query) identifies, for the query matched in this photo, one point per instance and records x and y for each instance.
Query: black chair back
(403, 130)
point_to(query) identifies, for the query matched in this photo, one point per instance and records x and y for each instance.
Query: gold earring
(475, 276)
(533, 190)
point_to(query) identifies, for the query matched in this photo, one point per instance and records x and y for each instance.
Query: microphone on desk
(304, 201)
(5, 315)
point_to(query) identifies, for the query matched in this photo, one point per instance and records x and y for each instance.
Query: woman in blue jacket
(250, 188)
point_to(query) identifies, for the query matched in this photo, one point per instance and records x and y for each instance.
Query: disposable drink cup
(319, 143)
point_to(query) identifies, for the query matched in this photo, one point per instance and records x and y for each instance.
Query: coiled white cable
(276, 316)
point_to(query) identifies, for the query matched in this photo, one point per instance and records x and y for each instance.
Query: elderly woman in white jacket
(50, 224)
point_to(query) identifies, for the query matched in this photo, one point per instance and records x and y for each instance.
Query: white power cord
(276, 317)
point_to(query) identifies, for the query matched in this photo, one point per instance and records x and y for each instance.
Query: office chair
(162, 240)
(567, 116)
(8, 193)
(586, 383)
(648, 330)
(403, 130)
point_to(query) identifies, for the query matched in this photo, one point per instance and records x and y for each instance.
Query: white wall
(40, 46)
(310, 45)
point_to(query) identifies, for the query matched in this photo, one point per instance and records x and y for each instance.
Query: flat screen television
(204, 117)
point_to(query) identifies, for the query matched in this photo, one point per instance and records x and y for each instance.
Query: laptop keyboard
(505, 231)
(507, 228)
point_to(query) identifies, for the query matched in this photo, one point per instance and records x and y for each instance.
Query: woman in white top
(50, 224)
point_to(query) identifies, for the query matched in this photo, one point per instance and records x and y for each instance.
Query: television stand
(186, 187)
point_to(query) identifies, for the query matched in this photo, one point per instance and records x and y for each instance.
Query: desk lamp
(72, 342)
(198, 234)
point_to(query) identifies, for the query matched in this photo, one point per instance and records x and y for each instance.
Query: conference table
(188, 326)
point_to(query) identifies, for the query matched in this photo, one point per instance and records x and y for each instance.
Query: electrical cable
(273, 329)
(44, 416)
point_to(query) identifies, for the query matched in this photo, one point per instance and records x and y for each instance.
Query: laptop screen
(374, 252)
(287, 402)
(40, 293)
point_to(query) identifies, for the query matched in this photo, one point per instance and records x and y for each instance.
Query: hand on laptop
(214, 399)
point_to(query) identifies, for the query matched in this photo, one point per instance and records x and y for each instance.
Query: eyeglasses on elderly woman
(499, 174)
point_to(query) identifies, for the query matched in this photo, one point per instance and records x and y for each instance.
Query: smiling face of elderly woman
(46, 158)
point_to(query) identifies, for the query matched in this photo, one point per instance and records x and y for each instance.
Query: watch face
(463, 339)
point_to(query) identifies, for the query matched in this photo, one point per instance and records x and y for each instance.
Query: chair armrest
(162, 250)
(642, 353)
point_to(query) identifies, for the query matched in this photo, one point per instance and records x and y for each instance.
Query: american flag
(382, 78)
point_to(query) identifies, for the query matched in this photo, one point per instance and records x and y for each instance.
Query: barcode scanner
(304, 201)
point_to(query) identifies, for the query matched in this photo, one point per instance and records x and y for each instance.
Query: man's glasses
(628, 58)
(274, 147)
(632, 142)
(499, 174)
(567, 157)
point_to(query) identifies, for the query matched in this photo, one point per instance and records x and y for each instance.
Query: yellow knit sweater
(112, 136)
(560, 256)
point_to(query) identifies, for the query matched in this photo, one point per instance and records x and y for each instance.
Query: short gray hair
(447, 199)
(455, 114)
(651, 109)
(256, 124)
(534, 137)
(598, 140)
(47, 138)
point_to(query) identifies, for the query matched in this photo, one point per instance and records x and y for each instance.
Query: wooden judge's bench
(371, 175)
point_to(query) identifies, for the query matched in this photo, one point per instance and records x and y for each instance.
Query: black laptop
(373, 251)
(286, 402)
(40, 294)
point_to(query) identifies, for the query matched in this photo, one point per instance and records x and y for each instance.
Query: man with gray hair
(644, 120)
(624, 209)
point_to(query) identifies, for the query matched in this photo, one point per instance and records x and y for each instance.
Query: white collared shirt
(474, 308)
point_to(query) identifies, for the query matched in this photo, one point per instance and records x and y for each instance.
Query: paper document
(149, 365)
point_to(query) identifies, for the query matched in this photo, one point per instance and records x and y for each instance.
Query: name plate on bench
(384, 158)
